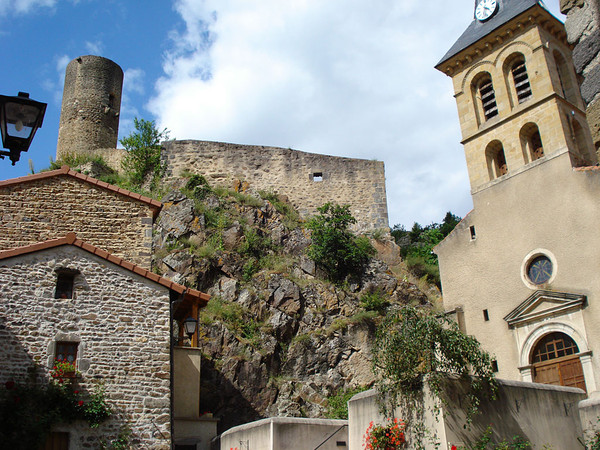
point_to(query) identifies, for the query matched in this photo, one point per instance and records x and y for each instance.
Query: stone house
(51, 204)
(520, 271)
(67, 297)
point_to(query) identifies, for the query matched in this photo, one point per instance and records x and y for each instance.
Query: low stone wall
(288, 433)
(120, 322)
(543, 414)
(309, 180)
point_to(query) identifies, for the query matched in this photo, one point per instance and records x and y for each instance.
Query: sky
(350, 78)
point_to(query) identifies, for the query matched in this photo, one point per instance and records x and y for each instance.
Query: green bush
(334, 247)
(198, 187)
(419, 267)
(337, 404)
(235, 317)
(374, 301)
(413, 346)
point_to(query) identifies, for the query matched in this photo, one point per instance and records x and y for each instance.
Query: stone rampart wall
(583, 31)
(121, 322)
(309, 180)
(49, 208)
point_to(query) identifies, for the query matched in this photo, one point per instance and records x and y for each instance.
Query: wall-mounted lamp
(189, 325)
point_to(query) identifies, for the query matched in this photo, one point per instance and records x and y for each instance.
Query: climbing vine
(415, 348)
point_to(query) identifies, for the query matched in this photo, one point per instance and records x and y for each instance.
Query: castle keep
(89, 118)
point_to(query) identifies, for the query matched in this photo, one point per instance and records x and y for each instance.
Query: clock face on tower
(485, 9)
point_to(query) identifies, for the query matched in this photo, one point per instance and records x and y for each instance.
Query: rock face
(278, 338)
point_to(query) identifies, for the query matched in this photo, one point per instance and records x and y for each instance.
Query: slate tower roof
(507, 10)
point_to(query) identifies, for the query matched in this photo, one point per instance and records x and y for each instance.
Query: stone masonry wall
(49, 208)
(583, 31)
(357, 182)
(121, 322)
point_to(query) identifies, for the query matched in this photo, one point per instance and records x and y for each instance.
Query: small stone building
(520, 272)
(51, 204)
(65, 296)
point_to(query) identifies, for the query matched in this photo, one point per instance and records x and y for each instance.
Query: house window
(66, 351)
(488, 98)
(521, 79)
(472, 231)
(494, 366)
(64, 284)
(486, 315)
(317, 176)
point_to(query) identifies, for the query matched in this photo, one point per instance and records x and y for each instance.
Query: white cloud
(133, 84)
(23, 6)
(55, 82)
(94, 48)
(133, 81)
(341, 77)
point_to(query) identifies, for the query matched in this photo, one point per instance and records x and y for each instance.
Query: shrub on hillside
(334, 247)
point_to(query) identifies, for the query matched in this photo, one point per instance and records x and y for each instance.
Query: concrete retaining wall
(542, 414)
(287, 433)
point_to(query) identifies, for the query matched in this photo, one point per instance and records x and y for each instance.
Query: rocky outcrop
(278, 338)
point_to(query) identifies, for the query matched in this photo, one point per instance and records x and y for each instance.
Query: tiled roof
(71, 239)
(66, 170)
(507, 10)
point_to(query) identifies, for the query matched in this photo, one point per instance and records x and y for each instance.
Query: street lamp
(20, 117)
(189, 326)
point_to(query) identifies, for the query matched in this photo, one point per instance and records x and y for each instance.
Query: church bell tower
(517, 94)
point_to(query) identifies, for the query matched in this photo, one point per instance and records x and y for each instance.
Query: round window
(539, 270)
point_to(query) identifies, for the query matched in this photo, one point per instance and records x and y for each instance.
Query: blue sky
(341, 77)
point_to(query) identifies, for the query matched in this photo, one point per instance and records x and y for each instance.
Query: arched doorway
(555, 360)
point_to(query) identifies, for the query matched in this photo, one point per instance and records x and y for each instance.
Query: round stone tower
(89, 118)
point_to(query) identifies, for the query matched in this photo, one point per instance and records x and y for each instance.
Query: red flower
(80, 402)
(453, 447)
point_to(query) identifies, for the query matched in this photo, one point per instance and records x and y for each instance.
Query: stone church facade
(520, 271)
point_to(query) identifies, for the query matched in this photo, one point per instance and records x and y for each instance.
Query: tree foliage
(413, 347)
(143, 158)
(416, 245)
(334, 247)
